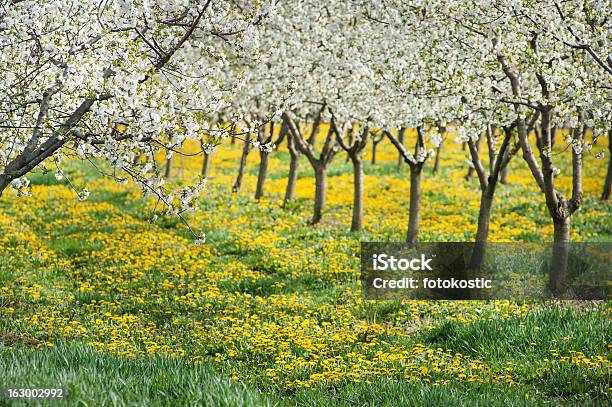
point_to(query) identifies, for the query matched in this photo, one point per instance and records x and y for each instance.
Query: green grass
(528, 341)
(388, 393)
(45, 178)
(495, 339)
(94, 379)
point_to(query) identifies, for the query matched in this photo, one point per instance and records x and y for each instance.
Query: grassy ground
(123, 311)
(94, 379)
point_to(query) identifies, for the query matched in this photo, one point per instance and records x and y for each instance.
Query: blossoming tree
(116, 80)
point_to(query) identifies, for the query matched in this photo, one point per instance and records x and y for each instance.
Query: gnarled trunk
(560, 254)
(262, 174)
(320, 192)
(414, 217)
(357, 220)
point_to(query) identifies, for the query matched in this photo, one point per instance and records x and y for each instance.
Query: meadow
(123, 310)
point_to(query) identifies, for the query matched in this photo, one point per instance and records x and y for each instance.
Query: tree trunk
(482, 233)
(605, 195)
(488, 186)
(205, 165)
(168, 171)
(320, 193)
(484, 215)
(400, 158)
(4, 182)
(414, 217)
(436, 166)
(504, 175)
(560, 252)
(470, 174)
(374, 145)
(294, 166)
(357, 220)
(262, 174)
(243, 161)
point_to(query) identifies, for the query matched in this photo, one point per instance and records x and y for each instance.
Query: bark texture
(560, 255)
(357, 219)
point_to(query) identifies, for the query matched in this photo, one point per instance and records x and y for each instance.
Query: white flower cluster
(22, 186)
(118, 80)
